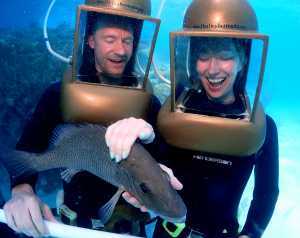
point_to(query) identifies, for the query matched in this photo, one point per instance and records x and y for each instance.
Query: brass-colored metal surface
(93, 103)
(151, 52)
(212, 134)
(137, 6)
(118, 13)
(215, 18)
(261, 76)
(172, 71)
(239, 35)
(221, 15)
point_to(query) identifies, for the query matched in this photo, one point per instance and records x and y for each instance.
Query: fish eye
(145, 188)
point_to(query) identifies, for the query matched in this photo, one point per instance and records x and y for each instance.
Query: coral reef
(26, 69)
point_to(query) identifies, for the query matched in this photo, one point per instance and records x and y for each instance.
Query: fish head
(161, 198)
(151, 187)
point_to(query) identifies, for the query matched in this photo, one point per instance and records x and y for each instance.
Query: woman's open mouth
(216, 83)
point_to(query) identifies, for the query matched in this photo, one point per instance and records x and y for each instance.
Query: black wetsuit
(86, 193)
(213, 185)
(198, 103)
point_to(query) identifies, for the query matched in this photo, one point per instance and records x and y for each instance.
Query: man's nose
(213, 66)
(120, 48)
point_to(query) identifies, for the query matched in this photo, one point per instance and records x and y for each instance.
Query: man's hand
(121, 135)
(25, 212)
(176, 184)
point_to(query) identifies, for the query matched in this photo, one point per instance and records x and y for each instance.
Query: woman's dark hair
(243, 47)
(94, 22)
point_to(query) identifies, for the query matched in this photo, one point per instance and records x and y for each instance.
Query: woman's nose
(213, 66)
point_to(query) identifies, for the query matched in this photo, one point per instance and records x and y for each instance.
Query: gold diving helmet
(96, 97)
(208, 27)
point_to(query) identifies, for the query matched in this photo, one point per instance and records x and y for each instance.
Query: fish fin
(68, 174)
(60, 132)
(67, 130)
(106, 211)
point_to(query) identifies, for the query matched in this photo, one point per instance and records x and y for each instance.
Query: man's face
(218, 71)
(113, 48)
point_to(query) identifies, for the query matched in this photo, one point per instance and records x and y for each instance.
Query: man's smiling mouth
(117, 61)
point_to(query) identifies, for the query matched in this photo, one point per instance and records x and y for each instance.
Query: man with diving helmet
(106, 83)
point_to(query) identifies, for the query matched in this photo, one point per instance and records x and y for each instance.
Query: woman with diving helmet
(214, 126)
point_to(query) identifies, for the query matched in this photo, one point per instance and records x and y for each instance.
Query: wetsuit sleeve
(266, 184)
(38, 129)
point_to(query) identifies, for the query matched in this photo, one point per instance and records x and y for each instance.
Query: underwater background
(26, 69)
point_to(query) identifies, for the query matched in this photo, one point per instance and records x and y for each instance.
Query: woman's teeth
(216, 81)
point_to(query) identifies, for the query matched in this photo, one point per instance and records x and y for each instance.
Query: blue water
(281, 21)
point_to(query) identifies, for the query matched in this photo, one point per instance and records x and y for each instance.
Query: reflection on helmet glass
(216, 70)
(112, 49)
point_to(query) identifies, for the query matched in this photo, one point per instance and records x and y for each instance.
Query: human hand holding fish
(121, 135)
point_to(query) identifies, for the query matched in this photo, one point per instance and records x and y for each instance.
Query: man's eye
(128, 41)
(109, 40)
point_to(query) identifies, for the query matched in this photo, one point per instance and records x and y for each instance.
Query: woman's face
(217, 71)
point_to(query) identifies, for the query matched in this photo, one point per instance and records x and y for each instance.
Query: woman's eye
(204, 57)
(226, 57)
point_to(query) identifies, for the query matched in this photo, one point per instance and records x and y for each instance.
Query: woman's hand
(176, 184)
(121, 135)
(25, 212)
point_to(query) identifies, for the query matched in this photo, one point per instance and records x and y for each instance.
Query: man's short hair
(105, 20)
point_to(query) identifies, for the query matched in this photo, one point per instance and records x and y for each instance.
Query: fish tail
(18, 163)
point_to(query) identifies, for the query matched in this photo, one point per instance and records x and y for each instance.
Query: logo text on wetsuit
(213, 160)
